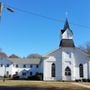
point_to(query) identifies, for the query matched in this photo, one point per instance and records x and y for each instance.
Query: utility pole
(2, 6)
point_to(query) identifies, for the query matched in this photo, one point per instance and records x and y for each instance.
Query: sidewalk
(81, 84)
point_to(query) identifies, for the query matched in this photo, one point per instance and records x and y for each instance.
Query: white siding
(67, 35)
(68, 61)
(4, 69)
(81, 58)
(67, 57)
(47, 68)
(20, 69)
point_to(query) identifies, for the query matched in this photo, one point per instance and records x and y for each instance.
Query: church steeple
(66, 36)
(66, 25)
(66, 32)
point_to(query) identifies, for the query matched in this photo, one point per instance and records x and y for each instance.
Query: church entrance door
(68, 73)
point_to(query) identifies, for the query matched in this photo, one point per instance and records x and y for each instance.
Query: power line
(47, 17)
(37, 14)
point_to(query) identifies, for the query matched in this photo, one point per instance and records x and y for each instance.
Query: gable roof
(67, 43)
(24, 60)
(83, 52)
(53, 51)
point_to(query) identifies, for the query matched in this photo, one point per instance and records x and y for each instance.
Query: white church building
(67, 63)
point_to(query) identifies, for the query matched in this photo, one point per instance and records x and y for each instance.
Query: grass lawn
(86, 83)
(42, 84)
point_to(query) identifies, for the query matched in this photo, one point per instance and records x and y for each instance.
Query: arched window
(53, 70)
(81, 70)
(67, 71)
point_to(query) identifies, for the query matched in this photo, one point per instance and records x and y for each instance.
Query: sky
(22, 33)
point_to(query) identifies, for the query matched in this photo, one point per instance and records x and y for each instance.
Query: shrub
(15, 77)
(38, 76)
(78, 80)
(85, 80)
(88, 80)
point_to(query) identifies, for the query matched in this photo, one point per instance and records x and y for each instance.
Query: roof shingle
(67, 43)
(24, 61)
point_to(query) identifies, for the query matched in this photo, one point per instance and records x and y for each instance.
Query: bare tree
(86, 48)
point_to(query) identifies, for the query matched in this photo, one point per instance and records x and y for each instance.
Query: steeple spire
(66, 36)
(66, 25)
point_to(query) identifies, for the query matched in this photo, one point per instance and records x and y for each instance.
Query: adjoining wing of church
(67, 63)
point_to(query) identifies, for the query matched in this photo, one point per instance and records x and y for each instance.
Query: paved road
(26, 88)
